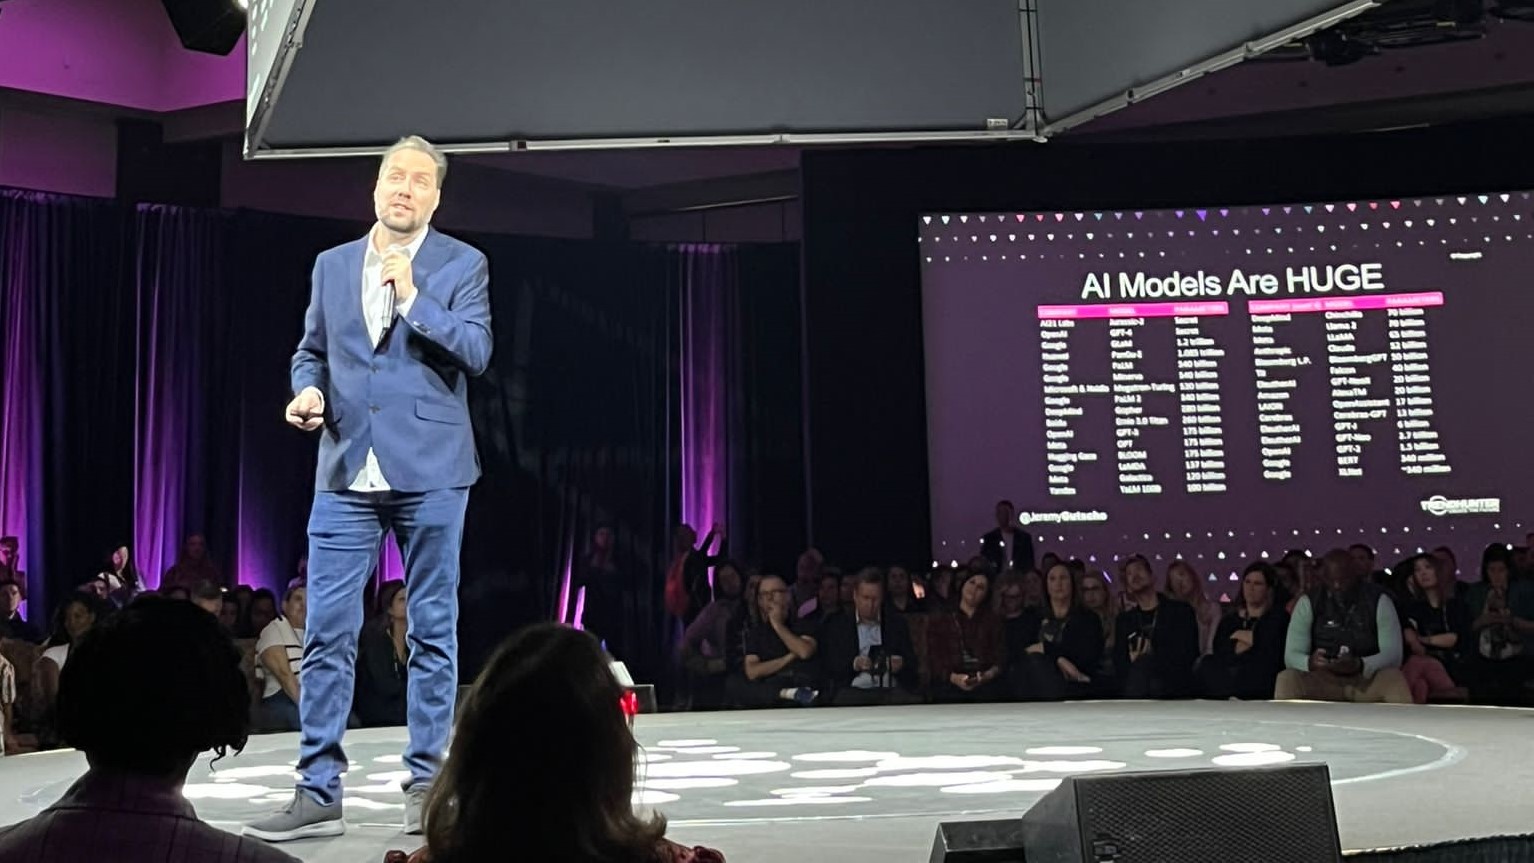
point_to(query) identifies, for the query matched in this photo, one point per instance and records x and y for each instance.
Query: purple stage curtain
(25, 222)
(179, 257)
(706, 279)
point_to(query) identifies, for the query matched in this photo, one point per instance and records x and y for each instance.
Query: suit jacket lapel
(428, 259)
(351, 281)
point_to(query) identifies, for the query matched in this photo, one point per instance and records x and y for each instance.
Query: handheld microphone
(388, 317)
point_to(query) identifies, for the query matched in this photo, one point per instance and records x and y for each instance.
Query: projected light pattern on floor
(819, 764)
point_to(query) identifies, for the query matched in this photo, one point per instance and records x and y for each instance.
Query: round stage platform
(871, 784)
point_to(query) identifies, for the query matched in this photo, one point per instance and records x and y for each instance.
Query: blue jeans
(345, 531)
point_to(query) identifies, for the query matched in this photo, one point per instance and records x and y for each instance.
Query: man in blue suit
(397, 323)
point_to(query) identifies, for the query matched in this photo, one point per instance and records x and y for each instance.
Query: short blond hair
(416, 142)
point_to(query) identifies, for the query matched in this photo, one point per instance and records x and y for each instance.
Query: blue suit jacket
(408, 399)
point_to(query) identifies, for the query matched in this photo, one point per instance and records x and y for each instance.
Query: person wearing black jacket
(867, 655)
(1249, 643)
(1156, 638)
(1064, 645)
(1008, 546)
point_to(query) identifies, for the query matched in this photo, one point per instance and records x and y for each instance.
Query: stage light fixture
(210, 26)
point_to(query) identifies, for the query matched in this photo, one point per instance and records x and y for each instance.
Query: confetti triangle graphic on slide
(1080, 216)
(1352, 207)
(1374, 205)
(1202, 214)
(1012, 237)
(1483, 198)
(1331, 207)
(1118, 217)
(1179, 214)
(1461, 200)
(1288, 210)
(1309, 209)
(1098, 216)
(964, 219)
(1504, 197)
(926, 220)
(1224, 212)
(982, 218)
(1142, 215)
(1267, 210)
(1021, 217)
(1038, 217)
(1395, 205)
(1059, 217)
(993, 238)
(945, 220)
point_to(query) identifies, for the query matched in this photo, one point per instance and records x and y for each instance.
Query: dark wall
(866, 400)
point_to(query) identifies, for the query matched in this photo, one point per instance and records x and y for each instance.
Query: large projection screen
(1227, 383)
(595, 70)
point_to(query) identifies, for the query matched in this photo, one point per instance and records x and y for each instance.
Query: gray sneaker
(302, 818)
(415, 803)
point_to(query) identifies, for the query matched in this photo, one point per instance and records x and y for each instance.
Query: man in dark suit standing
(1008, 546)
(398, 321)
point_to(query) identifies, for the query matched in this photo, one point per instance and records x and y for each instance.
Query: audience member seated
(1344, 641)
(1157, 638)
(121, 577)
(73, 619)
(900, 594)
(1249, 643)
(1184, 585)
(209, 597)
(940, 595)
(569, 798)
(965, 651)
(229, 615)
(10, 560)
(383, 656)
(8, 744)
(280, 654)
(706, 652)
(806, 587)
(12, 624)
(1502, 614)
(1435, 627)
(1097, 597)
(777, 669)
(192, 566)
(1448, 570)
(1063, 648)
(242, 595)
(263, 610)
(867, 655)
(825, 605)
(1034, 595)
(1007, 546)
(142, 696)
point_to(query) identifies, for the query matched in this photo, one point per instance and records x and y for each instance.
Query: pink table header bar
(1135, 310)
(1345, 304)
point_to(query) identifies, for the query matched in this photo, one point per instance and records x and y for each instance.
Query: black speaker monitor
(1263, 815)
(210, 26)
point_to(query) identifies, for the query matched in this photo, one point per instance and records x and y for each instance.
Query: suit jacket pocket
(438, 412)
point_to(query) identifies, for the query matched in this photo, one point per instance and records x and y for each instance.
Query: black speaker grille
(1252, 816)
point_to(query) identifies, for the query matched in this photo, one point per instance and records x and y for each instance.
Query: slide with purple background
(1228, 383)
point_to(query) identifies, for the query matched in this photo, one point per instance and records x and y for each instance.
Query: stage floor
(869, 785)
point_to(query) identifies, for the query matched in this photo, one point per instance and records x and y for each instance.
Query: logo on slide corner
(1438, 505)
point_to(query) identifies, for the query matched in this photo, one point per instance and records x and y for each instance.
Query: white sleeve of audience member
(1297, 642)
(1388, 625)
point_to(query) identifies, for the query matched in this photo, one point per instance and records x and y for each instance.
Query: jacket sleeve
(309, 367)
(461, 328)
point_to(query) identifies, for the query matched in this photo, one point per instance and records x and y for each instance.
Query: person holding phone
(965, 649)
(1344, 641)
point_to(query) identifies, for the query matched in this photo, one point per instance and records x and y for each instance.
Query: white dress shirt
(376, 313)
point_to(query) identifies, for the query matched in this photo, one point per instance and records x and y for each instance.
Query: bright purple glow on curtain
(23, 283)
(705, 278)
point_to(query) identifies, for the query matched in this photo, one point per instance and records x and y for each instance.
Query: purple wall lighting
(703, 278)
